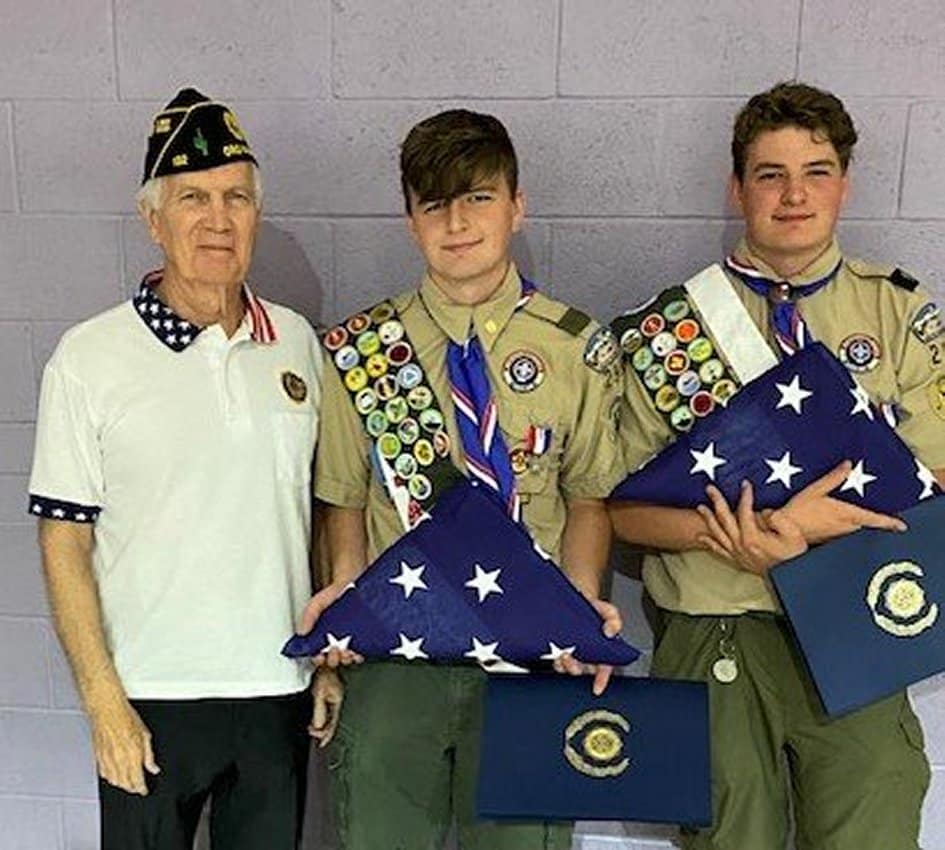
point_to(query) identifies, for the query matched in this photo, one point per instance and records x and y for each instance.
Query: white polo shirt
(192, 454)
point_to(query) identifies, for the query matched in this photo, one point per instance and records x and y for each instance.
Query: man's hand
(822, 517)
(328, 694)
(315, 608)
(567, 663)
(122, 745)
(753, 542)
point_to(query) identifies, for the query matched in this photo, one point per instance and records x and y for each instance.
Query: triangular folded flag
(469, 585)
(782, 431)
(551, 750)
(868, 610)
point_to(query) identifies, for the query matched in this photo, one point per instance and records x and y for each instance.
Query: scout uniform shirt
(884, 330)
(556, 396)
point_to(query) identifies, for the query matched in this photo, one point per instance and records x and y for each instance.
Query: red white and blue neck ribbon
(787, 322)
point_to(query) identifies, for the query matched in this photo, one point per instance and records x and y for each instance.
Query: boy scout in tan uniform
(404, 760)
(858, 782)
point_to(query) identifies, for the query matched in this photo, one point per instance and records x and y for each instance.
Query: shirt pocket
(294, 439)
(535, 444)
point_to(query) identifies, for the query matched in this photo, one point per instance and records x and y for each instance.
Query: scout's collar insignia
(523, 371)
(897, 600)
(294, 387)
(594, 743)
(860, 352)
(927, 324)
(194, 133)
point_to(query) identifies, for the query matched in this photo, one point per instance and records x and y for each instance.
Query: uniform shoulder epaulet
(895, 275)
(403, 300)
(571, 320)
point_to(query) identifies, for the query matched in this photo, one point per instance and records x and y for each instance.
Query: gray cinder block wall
(620, 109)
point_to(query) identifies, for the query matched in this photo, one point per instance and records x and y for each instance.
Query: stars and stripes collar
(177, 333)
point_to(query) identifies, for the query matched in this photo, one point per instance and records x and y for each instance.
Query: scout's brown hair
(447, 154)
(793, 105)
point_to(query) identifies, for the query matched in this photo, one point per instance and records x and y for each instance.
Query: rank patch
(860, 352)
(523, 371)
(294, 386)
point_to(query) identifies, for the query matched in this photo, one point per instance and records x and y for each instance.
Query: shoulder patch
(573, 321)
(903, 280)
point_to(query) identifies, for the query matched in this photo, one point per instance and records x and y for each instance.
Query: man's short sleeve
(342, 465)
(67, 480)
(921, 376)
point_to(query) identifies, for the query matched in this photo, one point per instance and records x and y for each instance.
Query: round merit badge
(368, 343)
(405, 465)
(294, 386)
(702, 403)
(631, 340)
(652, 325)
(381, 312)
(346, 357)
(420, 398)
(860, 352)
(523, 371)
(667, 397)
(681, 419)
(365, 401)
(356, 379)
(409, 376)
(376, 365)
(663, 343)
(390, 332)
(676, 310)
(335, 338)
(687, 330)
(388, 445)
(358, 323)
(396, 410)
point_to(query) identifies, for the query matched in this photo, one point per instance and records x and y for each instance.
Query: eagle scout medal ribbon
(397, 408)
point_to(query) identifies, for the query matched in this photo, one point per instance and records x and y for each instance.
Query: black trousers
(248, 756)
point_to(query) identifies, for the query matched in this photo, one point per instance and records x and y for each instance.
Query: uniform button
(491, 326)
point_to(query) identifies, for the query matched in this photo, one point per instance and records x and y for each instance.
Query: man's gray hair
(151, 195)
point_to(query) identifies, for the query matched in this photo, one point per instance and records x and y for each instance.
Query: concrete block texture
(862, 47)
(877, 158)
(53, 49)
(633, 47)
(29, 824)
(12, 499)
(7, 177)
(24, 678)
(45, 753)
(81, 155)
(57, 267)
(21, 581)
(932, 835)
(80, 825)
(18, 401)
(238, 49)
(16, 447)
(923, 184)
(416, 48)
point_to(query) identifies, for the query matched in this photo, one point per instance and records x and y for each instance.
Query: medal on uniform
(725, 668)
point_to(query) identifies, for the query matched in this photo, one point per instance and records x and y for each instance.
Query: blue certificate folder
(551, 750)
(868, 610)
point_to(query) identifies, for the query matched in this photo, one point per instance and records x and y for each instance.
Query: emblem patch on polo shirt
(860, 352)
(294, 386)
(897, 601)
(594, 743)
(927, 324)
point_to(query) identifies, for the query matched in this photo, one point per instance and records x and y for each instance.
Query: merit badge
(376, 365)
(702, 403)
(346, 358)
(927, 324)
(711, 371)
(365, 401)
(652, 325)
(602, 350)
(420, 487)
(860, 353)
(676, 310)
(441, 443)
(681, 419)
(654, 377)
(423, 452)
(523, 371)
(388, 445)
(631, 340)
(519, 460)
(686, 331)
(897, 601)
(700, 349)
(663, 343)
(409, 376)
(368, 343)
(666, 398)
(390, 332)
(723, 390)
(937, 397)
(408, 431)
(399, 353)
(594, 743)
(431, 419)
(386, 387)
(376, 423)
(676, 362)
(380, 313)
(358, 323)
(335, 338)
(356, 379)
(405, 465)
(420, 398)
(294, 387)
(396, 410)
(688, 384)
(642, 359)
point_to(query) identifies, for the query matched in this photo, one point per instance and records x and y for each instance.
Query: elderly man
(171, 477)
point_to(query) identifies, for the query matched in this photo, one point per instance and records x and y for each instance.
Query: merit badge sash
(693, 347)
(398, 409)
